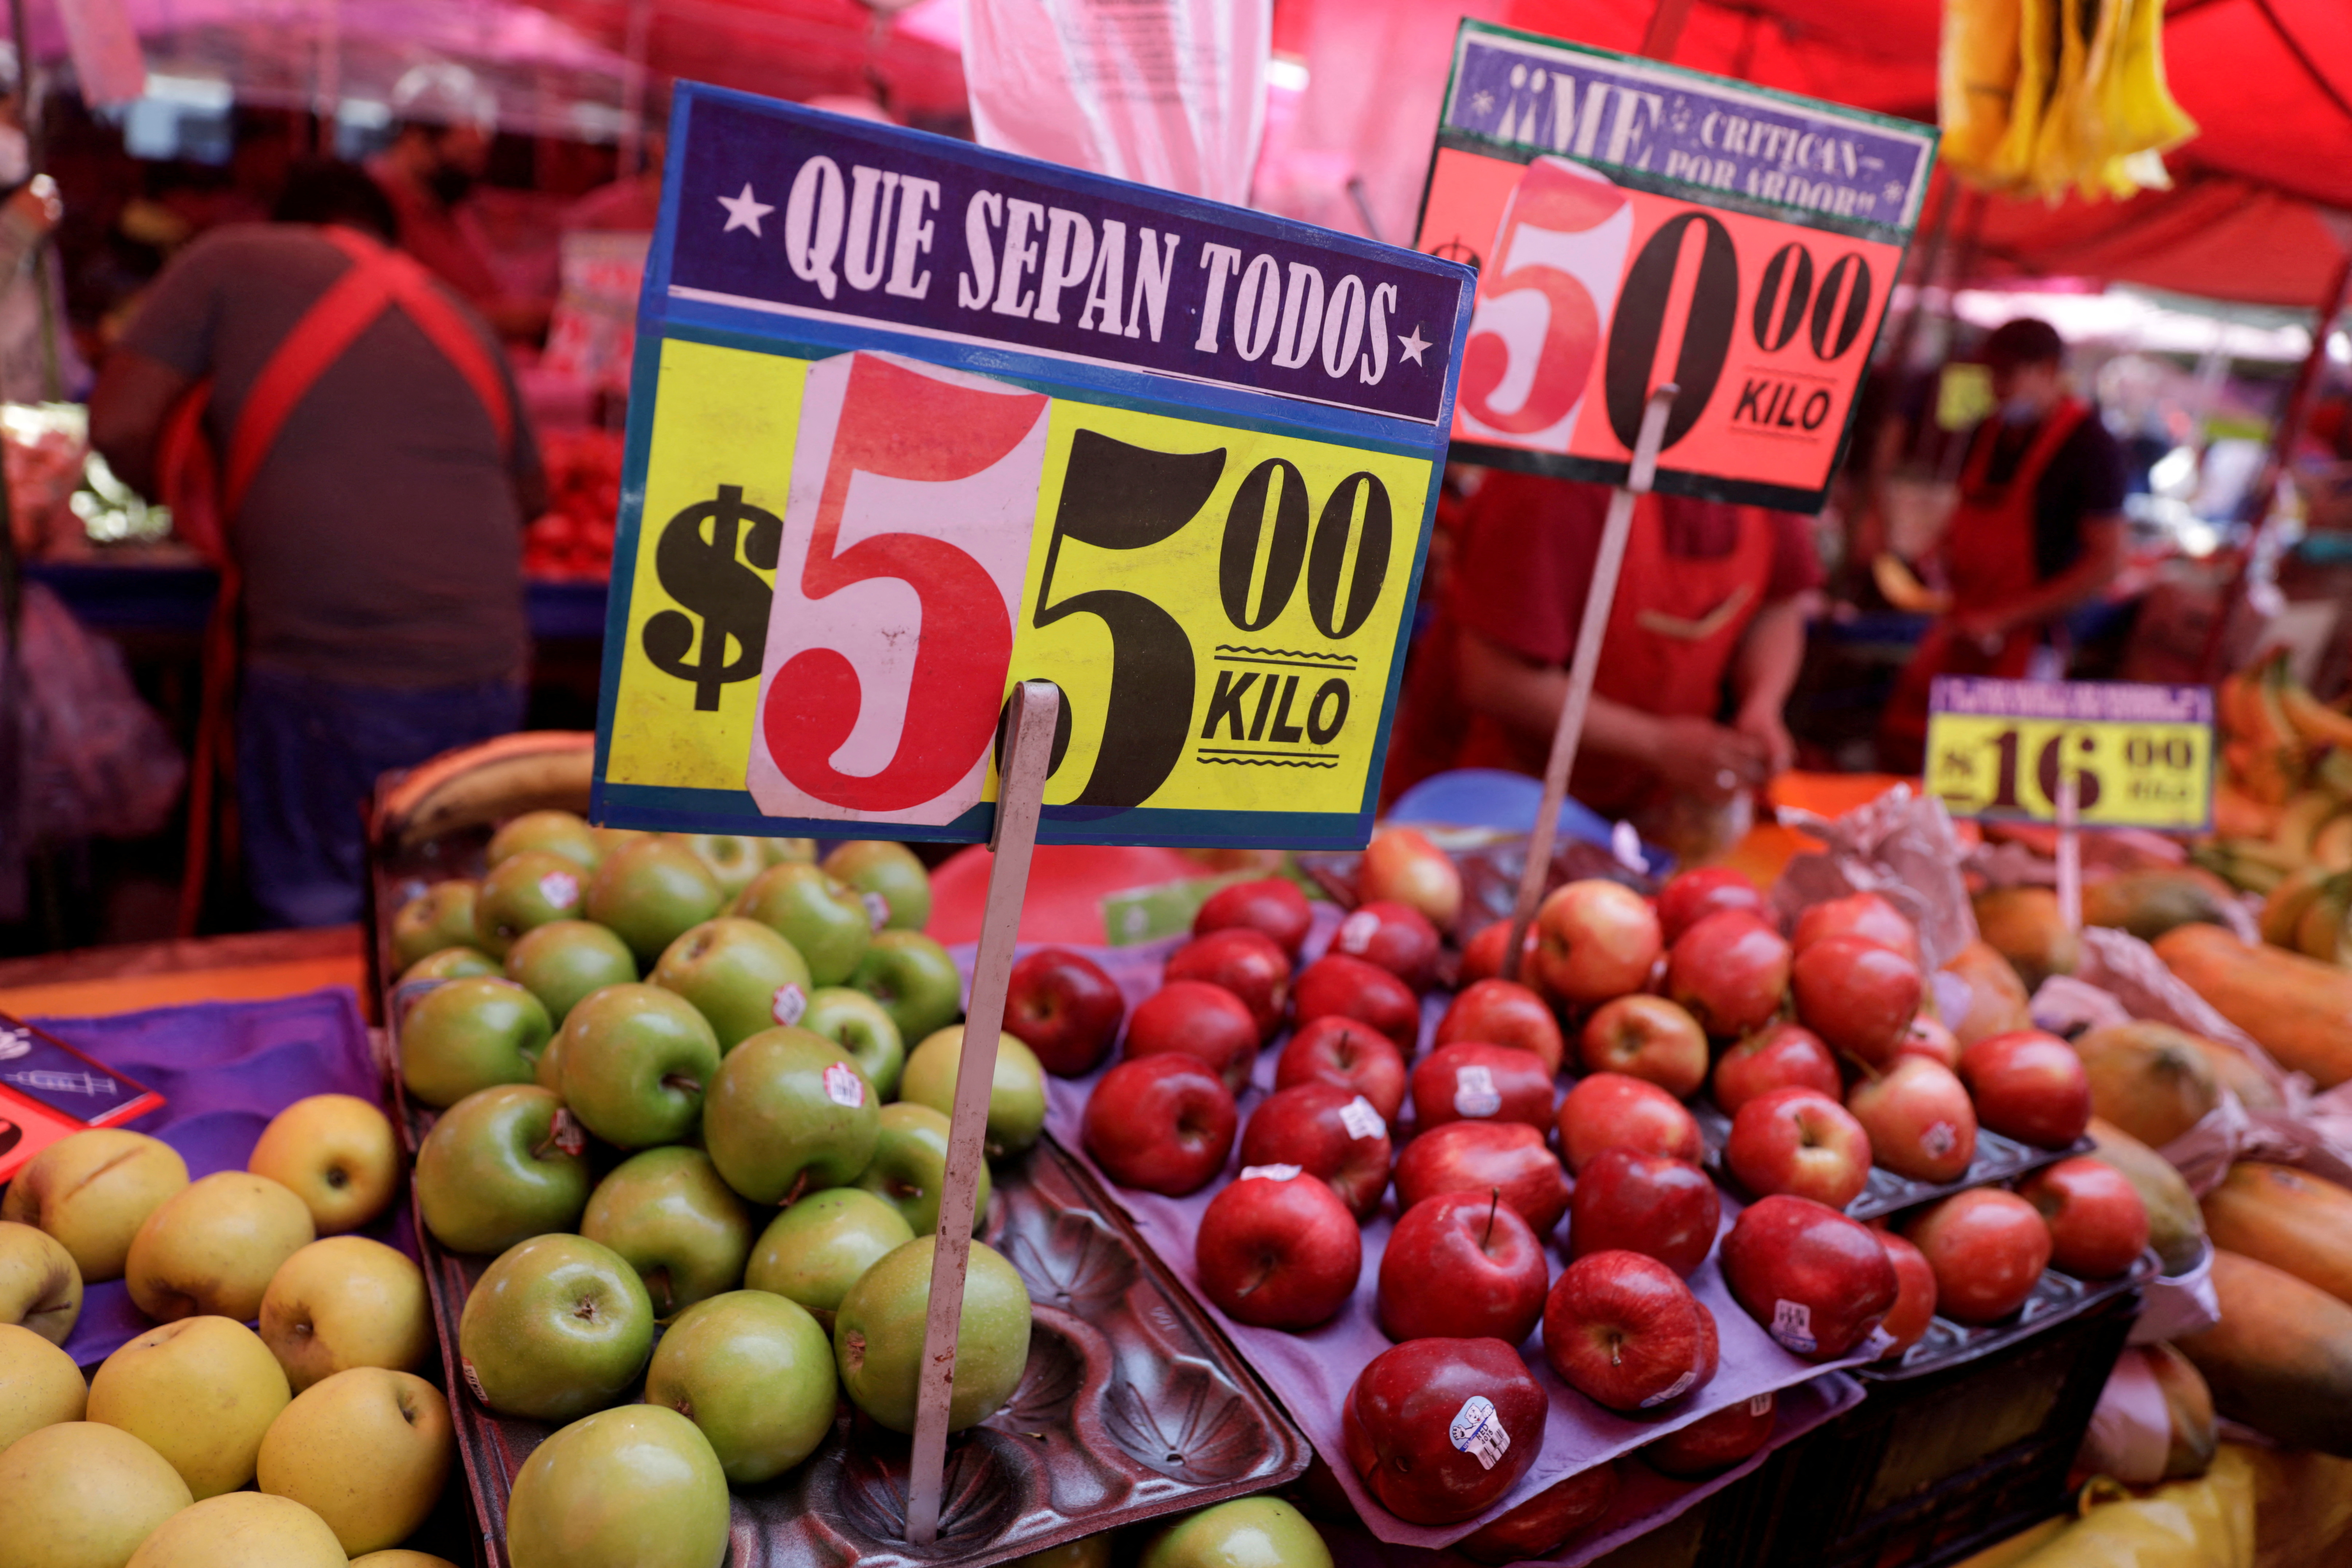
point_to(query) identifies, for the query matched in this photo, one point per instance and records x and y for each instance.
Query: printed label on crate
(1362, 1118)
(2141, 756)
(844, 1085)
(1478, 1431)
(1474, 1094)
(1635, 223)
(1792, 1325)
(913, 422)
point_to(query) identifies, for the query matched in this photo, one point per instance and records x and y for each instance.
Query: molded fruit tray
(2056, 1298)
(1131, 1407)
(1999, 1160)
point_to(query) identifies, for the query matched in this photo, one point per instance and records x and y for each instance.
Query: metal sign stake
(1020, 797)
(2070, 853)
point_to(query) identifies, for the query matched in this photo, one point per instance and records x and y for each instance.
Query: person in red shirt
(441, 149)
(1704, 639)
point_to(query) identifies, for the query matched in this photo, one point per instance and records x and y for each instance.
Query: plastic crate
(1926, 1471)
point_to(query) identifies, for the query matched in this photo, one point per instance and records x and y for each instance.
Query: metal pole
(639, 39)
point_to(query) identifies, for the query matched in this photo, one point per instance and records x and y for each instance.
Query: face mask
(450, 184)
(15, 157)
(2018, 410)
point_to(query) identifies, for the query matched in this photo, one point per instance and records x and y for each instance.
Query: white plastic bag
(95, 762)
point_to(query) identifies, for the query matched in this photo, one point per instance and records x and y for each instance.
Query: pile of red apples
(1813, 1042)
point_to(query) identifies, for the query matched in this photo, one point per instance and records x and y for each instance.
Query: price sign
(913, 422)
(2142, 756)
(1633, 224)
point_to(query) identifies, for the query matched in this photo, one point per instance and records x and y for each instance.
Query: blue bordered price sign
(2142, 756)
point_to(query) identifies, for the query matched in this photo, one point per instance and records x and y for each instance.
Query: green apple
(93, 1190)
(878, 1336)
(650, 892)
(910, 1166)
(755, 1373)
(564, 961)
(501, 1165)
(789, 1112)
(1085, 1551)
(825, 919)
(441, 916)
(201, 1391)
(789, 851)
(856, 1023)
(914, 979)
(815, 1251)
(81, 1494)
(40, 1287)
(524, 891)
(450, 963)
(636, 1062)
(557, 1327)
(683, 1229)
(553, 832)
(41, 1386)
(1016, 1089)
(367, 1450)
(469, 1034)
(1247, 1533)
(891, 872)
(609, 840)
(732, 858)
(739, 975)
(633, 1487)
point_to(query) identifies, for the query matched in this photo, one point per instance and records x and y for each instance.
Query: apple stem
(1493, 1205)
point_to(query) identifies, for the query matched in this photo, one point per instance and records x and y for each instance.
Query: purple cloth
(223, 1068)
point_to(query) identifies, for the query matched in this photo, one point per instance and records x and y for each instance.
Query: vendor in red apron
(2037, 534)
(1704, 639)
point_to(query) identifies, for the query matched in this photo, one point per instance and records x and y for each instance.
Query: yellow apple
(212, 1247)
(398, 1558)
(337, 1153)
(241, 1530)
(93, 1192)
(40, 1288)
(82, 1495)
(39, 1385)
(200, 1391)
(367, 1450)
(344, 1302)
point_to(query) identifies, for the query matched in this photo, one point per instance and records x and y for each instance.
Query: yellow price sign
(2141, 756)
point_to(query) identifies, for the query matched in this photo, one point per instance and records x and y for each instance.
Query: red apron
(1994, 564)
(205, 500)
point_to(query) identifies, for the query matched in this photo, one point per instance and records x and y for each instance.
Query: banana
(2245, 864)
(2283, 910)
(2300, 821)
(475, 786)
(2013, 161)
(2237, 814)
(2316, 722)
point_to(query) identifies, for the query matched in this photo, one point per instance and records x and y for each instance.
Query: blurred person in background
(376, 474)
(446, 122)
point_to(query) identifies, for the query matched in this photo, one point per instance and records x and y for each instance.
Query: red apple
(2029, 1086)
(1692, 896)
(1249, 964)
(1473, 1081)
(1482, 955)
(1817, 1281)
(2098, 1227)
(1064, 1008)
(1273, 905)
(1926, 1038)
(1865, 915)
(1503, 1013)
(1540, 1526)
(1919, 1120)
(1337, 985)
(1915, 1295)
(1623, 1331)
(1278, 1250)
(1199, 1020)
(1716, 1442)
(1595, 938)
(1730, 971)
(1402, 866)
(1626, 1201)
(1462, 1266)
(1474, 1156)
(1988, 1247)
(1440, 1430)
(1161, 1123)
(1784, 1056)
(1347, 1052)
(1858, 996)
(1609, 1109)
(1327, 1132)
(1397, 937)
(1800, 1142)
(1646, 1037)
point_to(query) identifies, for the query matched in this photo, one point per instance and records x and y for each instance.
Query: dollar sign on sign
(700, 572)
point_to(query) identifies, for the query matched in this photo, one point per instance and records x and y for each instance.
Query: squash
(2296, 1008)
(2149, 903)
(2280, 1359)
(2023, 925)
(2175, 1227)
(1997, 1001)
(2288, 1219)
(2148, 1078)
(2236, 1072)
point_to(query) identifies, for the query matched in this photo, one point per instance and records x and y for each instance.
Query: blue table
(113, 598)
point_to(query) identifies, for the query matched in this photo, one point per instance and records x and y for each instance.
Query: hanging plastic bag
(2207, 1523)
(96, 761)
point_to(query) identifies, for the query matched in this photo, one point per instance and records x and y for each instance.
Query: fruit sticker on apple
(1478, 1431)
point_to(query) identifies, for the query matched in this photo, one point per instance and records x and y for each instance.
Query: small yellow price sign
(2141, 756)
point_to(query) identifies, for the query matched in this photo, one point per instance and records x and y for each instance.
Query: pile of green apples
(718, 1185)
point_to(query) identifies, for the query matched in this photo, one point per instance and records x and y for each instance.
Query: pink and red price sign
(1634, 224)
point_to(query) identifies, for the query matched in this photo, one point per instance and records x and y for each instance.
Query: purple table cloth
(223, 1068)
